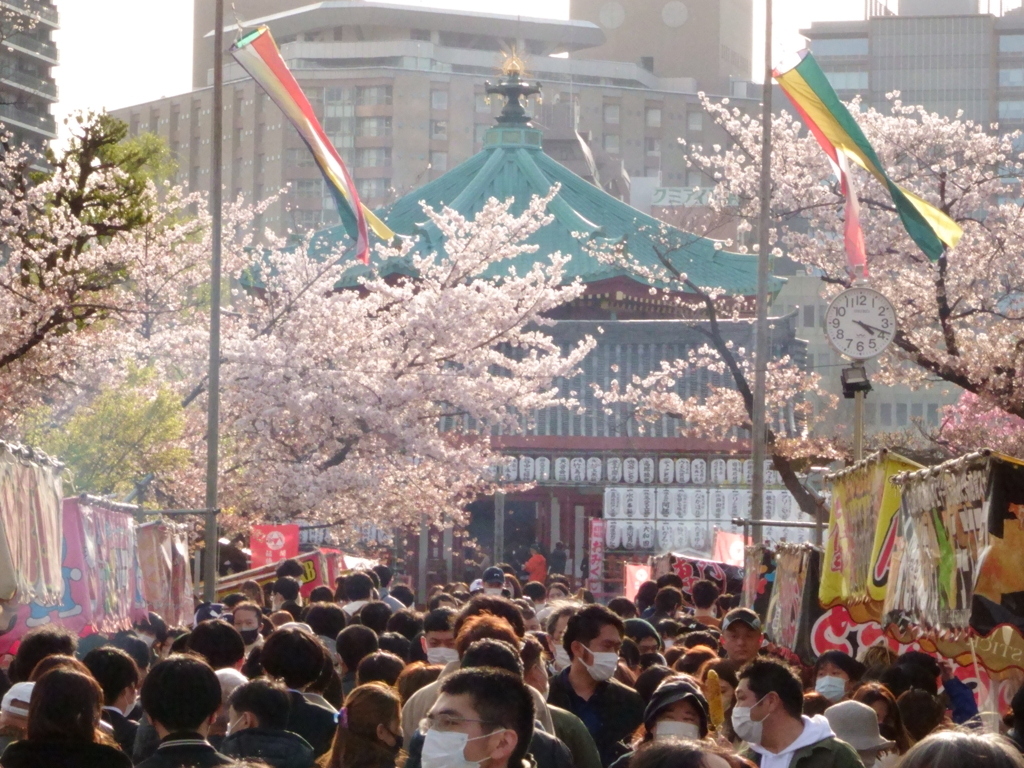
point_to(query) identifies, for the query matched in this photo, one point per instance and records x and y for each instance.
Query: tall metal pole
(761, 345)
(858, 426)
(210, 556)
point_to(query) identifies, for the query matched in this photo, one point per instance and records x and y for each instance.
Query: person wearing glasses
(482, 715)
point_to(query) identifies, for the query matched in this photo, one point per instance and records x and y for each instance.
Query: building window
(339, 96)
(421, 34)
(611, 143)
(840, 46)
(1011, 43)
(370, 189)
(374, 157)
(1011, 78)
(848, 81)
(933, 415)
(611, 114)
(309, 187)
(808, 316)
(647, 62)
(439, 100)
(694, 179)
(653, 117)
(374, 96)
(1011, 110)
(482, 106)
(652, 146)
(439, 161)
(901, 415)
(373, 126)
(479, 132)
(870, 414)
(885, 412)
(695, 121)
(439, 129)
(917, 410)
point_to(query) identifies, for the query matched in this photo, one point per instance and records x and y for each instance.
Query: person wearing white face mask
(836, 672)
(768, 716)
(493, 582)
(610, 710)
(438, 638)
(483, 718)
(677, 711)
(568, 728)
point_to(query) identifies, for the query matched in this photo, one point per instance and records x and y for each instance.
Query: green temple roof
(512, 164)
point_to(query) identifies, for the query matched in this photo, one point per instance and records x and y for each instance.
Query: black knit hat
(671, 690)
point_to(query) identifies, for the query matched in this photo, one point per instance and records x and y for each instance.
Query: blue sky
(116, 53)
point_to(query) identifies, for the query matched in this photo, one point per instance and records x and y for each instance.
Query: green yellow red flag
(839, 134)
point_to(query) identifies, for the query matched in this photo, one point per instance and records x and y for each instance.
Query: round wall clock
(860, 323)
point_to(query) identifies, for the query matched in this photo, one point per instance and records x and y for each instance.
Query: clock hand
(866, 327)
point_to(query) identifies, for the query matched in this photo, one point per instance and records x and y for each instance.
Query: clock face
(860, 323)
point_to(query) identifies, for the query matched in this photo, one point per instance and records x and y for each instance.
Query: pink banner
(167, 578)
(102, 584)
(596, 571)
(635, 575)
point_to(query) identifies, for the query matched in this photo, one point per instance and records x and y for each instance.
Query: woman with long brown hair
(890, 721)
(63, 726)
(369, 731)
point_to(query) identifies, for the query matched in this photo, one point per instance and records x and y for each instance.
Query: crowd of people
(492, 674)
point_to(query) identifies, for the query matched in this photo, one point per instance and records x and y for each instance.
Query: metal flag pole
(213, 411)
(761, 346)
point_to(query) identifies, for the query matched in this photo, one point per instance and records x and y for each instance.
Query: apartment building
(27, 58)
(401, 93)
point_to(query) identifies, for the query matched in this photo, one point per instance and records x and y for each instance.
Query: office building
(401, 93)
(947, 55)
(27, 56)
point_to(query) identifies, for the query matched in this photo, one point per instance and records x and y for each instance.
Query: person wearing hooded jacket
(769, 717)
(257, 727)
(677, 710)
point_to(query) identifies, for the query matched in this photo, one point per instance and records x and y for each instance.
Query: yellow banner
(861, 534)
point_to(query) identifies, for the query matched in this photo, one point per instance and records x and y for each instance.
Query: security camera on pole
(860, 324)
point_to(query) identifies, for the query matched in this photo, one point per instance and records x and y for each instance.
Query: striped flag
(840, 136)
(258, 55)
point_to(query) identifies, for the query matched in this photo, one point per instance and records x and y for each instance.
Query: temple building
(608, 487)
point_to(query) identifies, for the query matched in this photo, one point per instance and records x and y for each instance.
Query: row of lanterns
(634, 471)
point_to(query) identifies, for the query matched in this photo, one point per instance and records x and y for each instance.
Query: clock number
(873, 344)
(860, 346)
(835, 322)
(885, 322)
(840, 334)
(860, 300)
(841, 311)
(881, 311)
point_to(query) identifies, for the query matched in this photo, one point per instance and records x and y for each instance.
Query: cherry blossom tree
(366, 405)
(76, 239)
(376, 405)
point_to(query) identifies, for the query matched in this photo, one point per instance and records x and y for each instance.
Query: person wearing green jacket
(769, 717)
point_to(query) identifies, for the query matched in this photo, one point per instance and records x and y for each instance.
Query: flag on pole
(840, 136)
(258, 55)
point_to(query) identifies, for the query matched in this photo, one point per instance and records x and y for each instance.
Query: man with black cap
(741, 635)
(494, 582)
